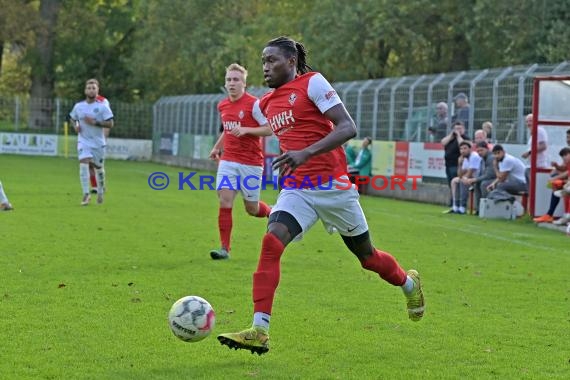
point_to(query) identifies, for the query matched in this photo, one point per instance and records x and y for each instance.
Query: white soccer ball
(191, 318)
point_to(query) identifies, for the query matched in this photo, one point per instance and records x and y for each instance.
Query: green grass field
(85, 291)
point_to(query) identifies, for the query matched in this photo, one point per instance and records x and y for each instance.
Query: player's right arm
(74, 119)
(263, 130)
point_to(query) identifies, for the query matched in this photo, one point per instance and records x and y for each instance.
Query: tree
(101, 36)
(42, 54)
(17, 23)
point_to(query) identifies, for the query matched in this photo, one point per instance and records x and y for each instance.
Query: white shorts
(96, 154)
(240, 177)
(335, 208)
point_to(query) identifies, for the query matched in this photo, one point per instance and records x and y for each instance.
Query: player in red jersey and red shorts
(240, 157)
(311, 122)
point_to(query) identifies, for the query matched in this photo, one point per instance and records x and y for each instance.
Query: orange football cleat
(544, 219)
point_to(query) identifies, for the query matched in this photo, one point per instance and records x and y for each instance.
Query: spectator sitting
(438, 129)
(565, 191)
(558, 175)
(510, 173)
(488, 128)
(481, 136)
(363, 162)
(469, 163)
(462, 109)
(451, 146)
(486, 173)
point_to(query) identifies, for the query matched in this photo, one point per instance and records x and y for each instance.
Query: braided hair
(293, 48)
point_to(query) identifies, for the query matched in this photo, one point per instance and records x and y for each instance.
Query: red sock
(266, 278)
(567, 204)
(225, 227)
(386, 266)
(93, 181)
(264, 210)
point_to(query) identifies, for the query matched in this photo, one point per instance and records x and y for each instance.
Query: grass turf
(85, 290)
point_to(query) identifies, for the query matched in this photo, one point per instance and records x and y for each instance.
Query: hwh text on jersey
(280, 121)
(229, 125)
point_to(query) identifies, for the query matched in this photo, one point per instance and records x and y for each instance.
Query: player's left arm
(107, 116)
(105, 123)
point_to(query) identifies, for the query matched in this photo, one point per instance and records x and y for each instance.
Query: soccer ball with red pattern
(191, 318)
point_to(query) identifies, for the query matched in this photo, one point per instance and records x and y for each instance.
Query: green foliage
(85, 291)
(15, 76)
(144, 49)
(106, 30)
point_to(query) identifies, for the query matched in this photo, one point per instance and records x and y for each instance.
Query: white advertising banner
(128, 149)
(426, 160)
(28, 143)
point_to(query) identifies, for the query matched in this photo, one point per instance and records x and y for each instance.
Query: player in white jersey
(5, 205)
(89, 118)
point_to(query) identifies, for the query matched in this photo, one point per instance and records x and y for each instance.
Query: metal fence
(385, 109)
(132, 120)
(396, 108)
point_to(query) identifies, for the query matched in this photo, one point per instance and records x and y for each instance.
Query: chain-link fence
(386, 109)
(47, 116)
(397, 108)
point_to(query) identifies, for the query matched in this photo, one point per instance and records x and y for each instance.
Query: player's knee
(252, 209)
(284, 226)
(226, 199)
(280, 231)
(359, 245)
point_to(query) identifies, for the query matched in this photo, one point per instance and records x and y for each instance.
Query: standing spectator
(470, 164)
(350, 153)
(363, 163)
(438, 128)
(89, 118)
(451, 146)
(461, 109)
(510, 172)
(486, 173)
(542, 144)
(5, 205)
(558, 176)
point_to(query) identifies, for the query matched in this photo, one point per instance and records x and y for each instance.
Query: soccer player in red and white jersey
(311, 122)
(240, 157)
